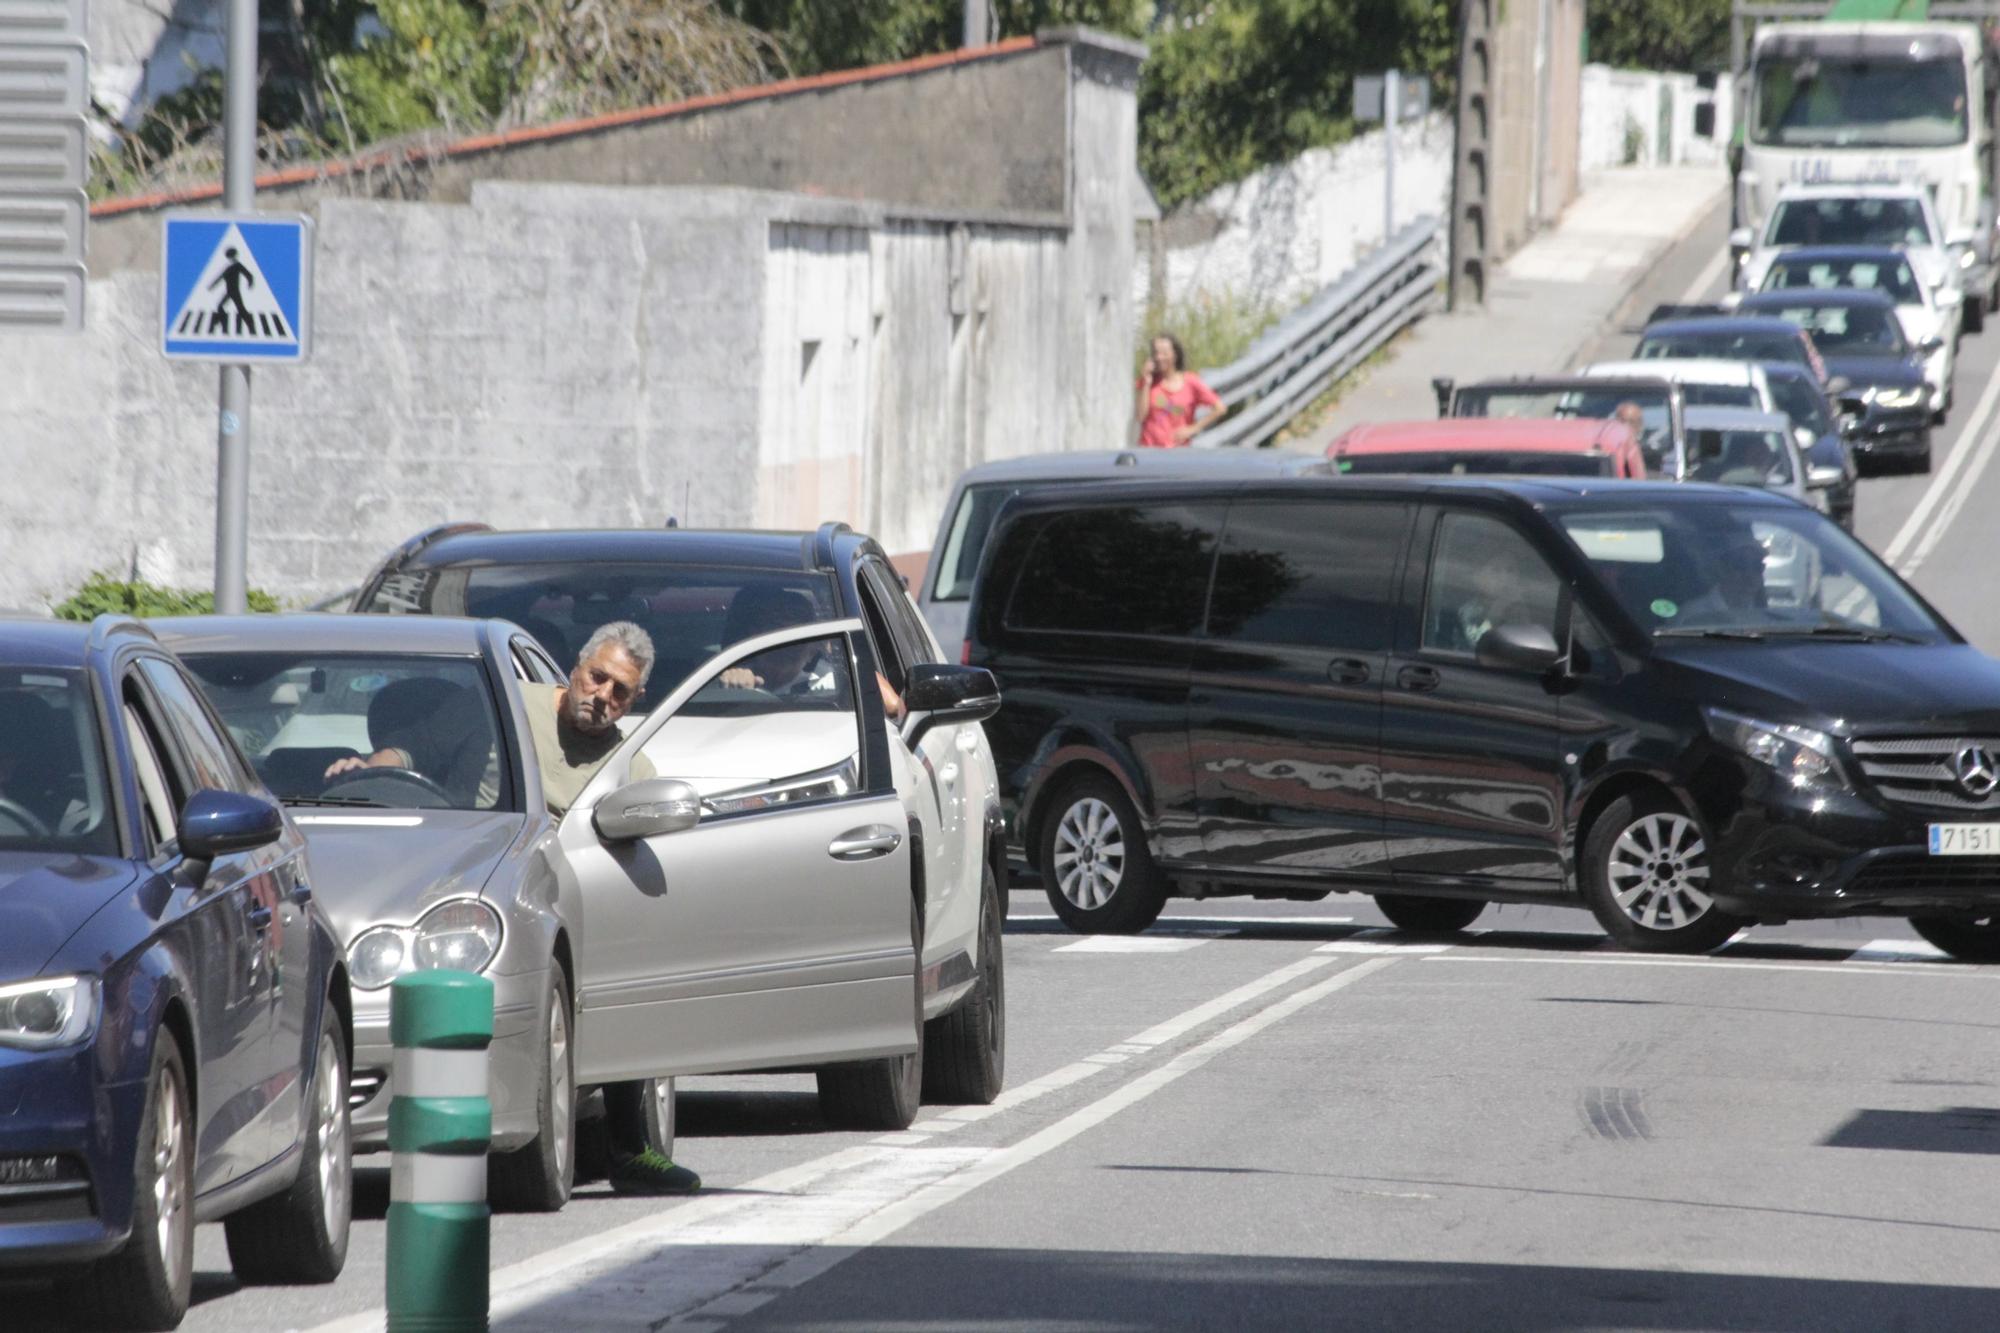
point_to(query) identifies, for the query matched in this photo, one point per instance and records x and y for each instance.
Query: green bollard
(440, 1125)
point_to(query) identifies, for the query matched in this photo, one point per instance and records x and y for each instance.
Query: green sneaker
(652, 1172)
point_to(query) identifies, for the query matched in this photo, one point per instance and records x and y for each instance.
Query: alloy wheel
(1089, 853)
(169, 1147)
(336, 1164)
(1658, 872)
(562, 1095)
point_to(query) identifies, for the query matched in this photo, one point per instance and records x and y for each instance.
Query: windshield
(1758, 570)
(53, 795)
(1866, 330)
(1739, 457)
(1852, 220)
(299, 714)
(970, 527)
(1802, 403)
(1481, 462)
(1858, 102)
(691, 611)
(1892, 277)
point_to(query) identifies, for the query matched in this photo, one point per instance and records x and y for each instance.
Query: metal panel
(43, 79)
(41, 21)
(41, 300)
(42, 229)
(43, 155)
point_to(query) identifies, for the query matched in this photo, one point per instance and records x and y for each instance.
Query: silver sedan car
(757, 915)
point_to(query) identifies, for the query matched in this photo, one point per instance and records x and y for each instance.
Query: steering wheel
(355, 776)
(23, 816)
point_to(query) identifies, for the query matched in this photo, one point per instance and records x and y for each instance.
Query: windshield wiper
(1854, 633)
(1687, 632)
(331, 800)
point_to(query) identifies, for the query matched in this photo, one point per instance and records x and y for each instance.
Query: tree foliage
(104, 593)
(819, 35)
(1661, 34)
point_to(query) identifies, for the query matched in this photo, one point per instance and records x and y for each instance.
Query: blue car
(174, 1015)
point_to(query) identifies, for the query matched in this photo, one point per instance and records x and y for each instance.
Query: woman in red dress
(1169, 393)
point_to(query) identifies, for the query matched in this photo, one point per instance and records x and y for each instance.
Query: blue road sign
(236, 287)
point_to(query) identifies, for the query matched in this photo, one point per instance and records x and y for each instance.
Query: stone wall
(1637, 117)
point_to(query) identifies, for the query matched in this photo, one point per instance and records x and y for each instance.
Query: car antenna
(1126, 458)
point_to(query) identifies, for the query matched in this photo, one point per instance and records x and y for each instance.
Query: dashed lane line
(1947, 489)
(1139, 943)
(1831, 967)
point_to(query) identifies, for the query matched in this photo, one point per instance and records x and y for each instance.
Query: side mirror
(646, 809)
(1929, 345)
(1741, 239)
(216, 823)
(1803, 436)
(1525, 647)
(940, 692)
(1821, 476)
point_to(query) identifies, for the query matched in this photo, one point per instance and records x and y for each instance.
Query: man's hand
(892, 702)
(389, 758)
(741, 678)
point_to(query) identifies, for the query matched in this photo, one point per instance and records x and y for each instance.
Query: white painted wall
(1290, 229)
(141, 50)
(1615, 99)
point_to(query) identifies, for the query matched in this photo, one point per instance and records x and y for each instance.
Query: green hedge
(104, 594)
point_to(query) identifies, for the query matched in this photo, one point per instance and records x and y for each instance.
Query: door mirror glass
(647, 809)
(1523, 647)
(939, 692)
(1803, 436)
(216, 823)
(1821, 476)
(1741, 239)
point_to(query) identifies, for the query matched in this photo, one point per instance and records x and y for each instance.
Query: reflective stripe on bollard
(440, 1125)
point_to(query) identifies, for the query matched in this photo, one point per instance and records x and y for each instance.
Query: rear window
(1720, 395)
(1128, 569)
(691, 611)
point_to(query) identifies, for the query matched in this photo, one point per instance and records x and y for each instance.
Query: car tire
(965, 1051)
(538, 1176)
(300, 1236)
(1970, 939)
(147, 1284)
(880, 1094)
(1643, 853)
(1429, 916)
(1096, 868)
(1923, 460)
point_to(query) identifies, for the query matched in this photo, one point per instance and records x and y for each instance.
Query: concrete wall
(1646, 118)
(1537, 67)
(141, 50)
(1280, 235)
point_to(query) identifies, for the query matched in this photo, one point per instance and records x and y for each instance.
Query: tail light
(965, 653)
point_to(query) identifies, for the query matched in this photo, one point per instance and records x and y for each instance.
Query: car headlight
(1890, 397)
(1966, 256)
(54, 1011)
(463, 934)
(1800, 755)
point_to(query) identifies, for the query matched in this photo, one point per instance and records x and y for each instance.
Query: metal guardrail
(1295, 360)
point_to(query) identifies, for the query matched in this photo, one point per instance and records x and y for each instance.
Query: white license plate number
(1965, 840)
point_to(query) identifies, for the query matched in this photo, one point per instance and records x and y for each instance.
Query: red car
(1523, 446)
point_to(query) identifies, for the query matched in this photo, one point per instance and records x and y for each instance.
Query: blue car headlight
(48, 1012)
(1801, 756)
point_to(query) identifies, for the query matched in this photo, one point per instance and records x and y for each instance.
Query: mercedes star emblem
(1977, 771)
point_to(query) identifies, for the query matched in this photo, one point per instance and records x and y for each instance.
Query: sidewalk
(1547, 302)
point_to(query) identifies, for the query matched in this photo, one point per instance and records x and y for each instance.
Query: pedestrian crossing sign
(236, 287)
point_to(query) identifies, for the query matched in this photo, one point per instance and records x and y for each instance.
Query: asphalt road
(1283, 1115)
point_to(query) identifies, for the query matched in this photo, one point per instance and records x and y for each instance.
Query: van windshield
(1745, 571)
(970, 527)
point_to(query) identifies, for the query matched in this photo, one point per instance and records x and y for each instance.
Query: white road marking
(1381, 941)
(1846, 968)
(1945, 485)
(1135, 944)
(885, 1222)
(1899, 951)
(1709, 274)
(1167, 925)
(718, 1243)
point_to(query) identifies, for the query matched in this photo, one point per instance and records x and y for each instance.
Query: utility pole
(232, 436)
(976, 31)
(1392, 92)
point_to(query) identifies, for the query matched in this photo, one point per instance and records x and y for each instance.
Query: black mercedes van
(1686, 707)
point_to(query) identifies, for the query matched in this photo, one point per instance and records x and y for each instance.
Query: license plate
(1965, 840)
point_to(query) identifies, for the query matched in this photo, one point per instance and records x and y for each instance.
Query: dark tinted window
(53, 790)
(959, 560)
(1484, 574)
(1320, 575)
(1132, 569)
(1801, 402)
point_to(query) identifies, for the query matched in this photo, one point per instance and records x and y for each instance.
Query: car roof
(27, 641)
(1722, 324)
(308, 631)
(680, 546)
(1118, 464)
(1694, 369)
(1735, 418)
(1536, 490)
(1830, 296)
(1514, 434)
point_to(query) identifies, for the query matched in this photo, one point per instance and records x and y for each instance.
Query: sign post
(232, 432)
(44, 157)
(1389, 97)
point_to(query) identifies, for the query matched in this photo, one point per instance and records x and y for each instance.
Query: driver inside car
(785, 671)
(435, 729)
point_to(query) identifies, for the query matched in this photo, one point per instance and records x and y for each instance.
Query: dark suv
(1688, 706)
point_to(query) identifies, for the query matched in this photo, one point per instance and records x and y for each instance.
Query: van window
(1132, 569)
(1483, 575)
(1316, 575)
(970, 526)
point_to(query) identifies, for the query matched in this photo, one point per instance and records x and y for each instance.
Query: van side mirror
(1521, 647)
(646, 809)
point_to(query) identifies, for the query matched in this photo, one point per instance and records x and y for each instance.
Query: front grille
(1917, 770)
(1936, 874)
(44, 1189)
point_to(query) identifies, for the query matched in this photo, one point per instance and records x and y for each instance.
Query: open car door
(751, 906)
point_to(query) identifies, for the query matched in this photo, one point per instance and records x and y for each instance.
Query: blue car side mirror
(216, 823)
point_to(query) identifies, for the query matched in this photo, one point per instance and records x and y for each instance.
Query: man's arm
(388, 757)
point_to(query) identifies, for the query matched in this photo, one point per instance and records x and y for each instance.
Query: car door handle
(1418, 678)
(864, 843)
(1347, 671)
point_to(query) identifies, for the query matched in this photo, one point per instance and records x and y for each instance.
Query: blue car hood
(45, 897)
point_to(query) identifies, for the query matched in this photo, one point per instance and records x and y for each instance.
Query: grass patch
(1214, 330)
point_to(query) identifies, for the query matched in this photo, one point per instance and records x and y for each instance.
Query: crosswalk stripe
(1135, 944)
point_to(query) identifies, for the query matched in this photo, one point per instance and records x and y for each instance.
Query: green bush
(104, 594)
(1214, 330)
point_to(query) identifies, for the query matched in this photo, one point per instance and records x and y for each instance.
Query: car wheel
(1646, 876)
(965, 1051)
(880, 1094)
(147, 1283)
(1095, 866)
(1429, 916)
(1971, 939)
(538, 1177)
(301, 1235)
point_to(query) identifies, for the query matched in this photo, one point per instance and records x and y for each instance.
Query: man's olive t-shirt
(568, 758)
